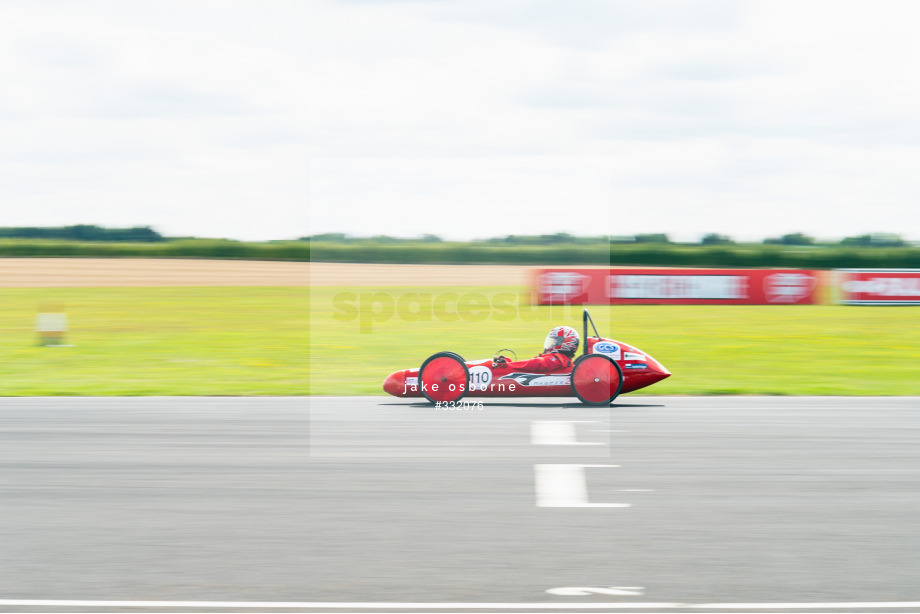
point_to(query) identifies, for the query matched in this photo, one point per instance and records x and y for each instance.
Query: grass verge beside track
(788, 350)
(158, 341)
(286, 341)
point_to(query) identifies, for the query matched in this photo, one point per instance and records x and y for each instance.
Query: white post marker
(565, 486)
(52, 329)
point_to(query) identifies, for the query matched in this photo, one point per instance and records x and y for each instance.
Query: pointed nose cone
(395, 384)
(657, 371)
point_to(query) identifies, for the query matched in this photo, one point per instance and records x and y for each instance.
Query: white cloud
(267, 120)
(189, 116)
(745, 118)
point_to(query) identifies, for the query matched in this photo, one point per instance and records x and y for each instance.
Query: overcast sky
(276, 119)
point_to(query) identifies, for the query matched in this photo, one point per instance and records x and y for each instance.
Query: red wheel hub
(444, 379)
(596, 380)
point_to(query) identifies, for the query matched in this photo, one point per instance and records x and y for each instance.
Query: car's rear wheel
(596, 379)
(444, 377)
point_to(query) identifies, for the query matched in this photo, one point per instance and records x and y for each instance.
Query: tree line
(83, 232)
(712, 239)
(146, 234)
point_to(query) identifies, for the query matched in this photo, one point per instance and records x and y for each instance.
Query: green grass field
(790, 350)
(158, 341)
(294, 341)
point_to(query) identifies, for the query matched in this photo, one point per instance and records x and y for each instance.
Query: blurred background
(226, 222)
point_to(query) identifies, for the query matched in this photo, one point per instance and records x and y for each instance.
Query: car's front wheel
(596, 379)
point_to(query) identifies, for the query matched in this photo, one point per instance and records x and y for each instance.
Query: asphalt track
(378, 504)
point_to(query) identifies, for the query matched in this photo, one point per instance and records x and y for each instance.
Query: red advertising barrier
(878, 286)
(622, 286)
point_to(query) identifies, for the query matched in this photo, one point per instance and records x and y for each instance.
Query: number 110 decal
(480, 378)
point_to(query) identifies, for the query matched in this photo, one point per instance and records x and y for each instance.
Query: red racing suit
(547, 362)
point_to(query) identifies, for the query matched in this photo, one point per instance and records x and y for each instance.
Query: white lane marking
(371, 605)
(844, 605)
(557, 433)
(565, 486)
(580, 591)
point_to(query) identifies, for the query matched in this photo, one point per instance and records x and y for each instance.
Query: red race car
(605, 369)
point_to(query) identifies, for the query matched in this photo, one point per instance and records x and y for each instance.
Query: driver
(558, 350)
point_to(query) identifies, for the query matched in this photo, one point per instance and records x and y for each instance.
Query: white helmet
(562, 339)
